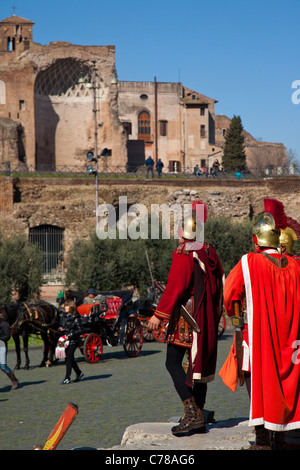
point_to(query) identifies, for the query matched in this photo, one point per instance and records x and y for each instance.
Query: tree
(118, 264)
(113, 264)
(231, 239)
(234, 149)
(21, 269)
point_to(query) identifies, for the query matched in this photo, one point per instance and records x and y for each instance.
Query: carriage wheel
(134, 337)
(161, 333)
(92, 348)
(222, 325)
(147, 334)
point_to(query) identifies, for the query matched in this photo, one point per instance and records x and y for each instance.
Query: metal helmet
(287, 238)
(189, 227)
(192, 228)
(265, 231)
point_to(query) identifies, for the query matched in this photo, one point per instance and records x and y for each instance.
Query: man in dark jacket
(149, 164)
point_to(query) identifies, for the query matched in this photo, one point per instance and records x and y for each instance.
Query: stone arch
(63, 111)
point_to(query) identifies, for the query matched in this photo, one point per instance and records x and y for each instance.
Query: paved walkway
(114, 394)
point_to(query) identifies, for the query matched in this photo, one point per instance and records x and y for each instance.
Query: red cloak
(273, 311)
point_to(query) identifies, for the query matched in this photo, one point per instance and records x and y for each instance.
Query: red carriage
(109, 322)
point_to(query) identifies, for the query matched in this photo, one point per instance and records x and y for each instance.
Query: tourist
(5, 334)
(159, 166)
(70, 326)
(149, 164)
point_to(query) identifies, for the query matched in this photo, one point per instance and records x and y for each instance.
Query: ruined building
(55, 98)
(61, 102)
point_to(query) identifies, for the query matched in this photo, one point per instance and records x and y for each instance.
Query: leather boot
(15, 382)
(278, 441)
(192, 421)
(262, 439)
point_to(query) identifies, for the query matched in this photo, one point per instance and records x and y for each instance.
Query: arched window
(144, 128)
(51, 240)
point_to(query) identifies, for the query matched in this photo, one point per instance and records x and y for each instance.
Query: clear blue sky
(243, 53)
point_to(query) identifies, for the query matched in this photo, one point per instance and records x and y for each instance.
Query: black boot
(277, 441)
(192, 421)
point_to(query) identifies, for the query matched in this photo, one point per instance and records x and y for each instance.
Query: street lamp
(93, 156)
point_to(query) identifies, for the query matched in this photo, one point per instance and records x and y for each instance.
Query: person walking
(5, 334)
(70, 326)
(195, 279)
(267, 283)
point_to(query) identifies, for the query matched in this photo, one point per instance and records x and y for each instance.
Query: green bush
(114, 264)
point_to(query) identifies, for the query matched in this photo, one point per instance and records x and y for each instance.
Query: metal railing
(127, 171)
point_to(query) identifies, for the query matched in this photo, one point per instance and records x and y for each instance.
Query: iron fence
(127, 171)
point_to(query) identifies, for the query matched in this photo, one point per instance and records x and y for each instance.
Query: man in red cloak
(196, 274)
(268, 284)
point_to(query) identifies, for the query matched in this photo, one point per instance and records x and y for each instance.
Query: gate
(51, 241)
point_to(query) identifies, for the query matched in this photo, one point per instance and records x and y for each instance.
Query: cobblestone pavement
(113, 394)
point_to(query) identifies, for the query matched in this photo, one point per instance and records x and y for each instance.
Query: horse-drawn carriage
(109, 322)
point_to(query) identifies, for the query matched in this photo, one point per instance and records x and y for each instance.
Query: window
(127, 127)
(163, 127)
(2, 92)
(174, 166)
(202, 111)
(202, 131)
(144, 129)
(22, 105)
(51, 241)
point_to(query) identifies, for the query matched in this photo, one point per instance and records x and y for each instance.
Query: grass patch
(33, 340)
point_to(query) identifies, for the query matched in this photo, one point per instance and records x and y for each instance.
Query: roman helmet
(287, 238)
(189, 230)
(266, 232)
(193, 224)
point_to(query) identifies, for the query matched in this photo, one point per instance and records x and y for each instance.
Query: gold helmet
(287, 238)
(266, 232)
(189, 230)
(193, 224)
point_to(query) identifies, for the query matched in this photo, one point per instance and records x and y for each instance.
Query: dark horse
(26, 319)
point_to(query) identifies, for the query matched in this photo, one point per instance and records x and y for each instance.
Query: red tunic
(195, 272)
(179, 289)
(273, 306)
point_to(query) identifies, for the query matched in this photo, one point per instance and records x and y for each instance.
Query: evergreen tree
(234, 149)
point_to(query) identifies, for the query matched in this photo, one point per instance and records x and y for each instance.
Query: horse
(40, 318)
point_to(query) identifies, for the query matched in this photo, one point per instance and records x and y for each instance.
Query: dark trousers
(70, 361)
(175, 355)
